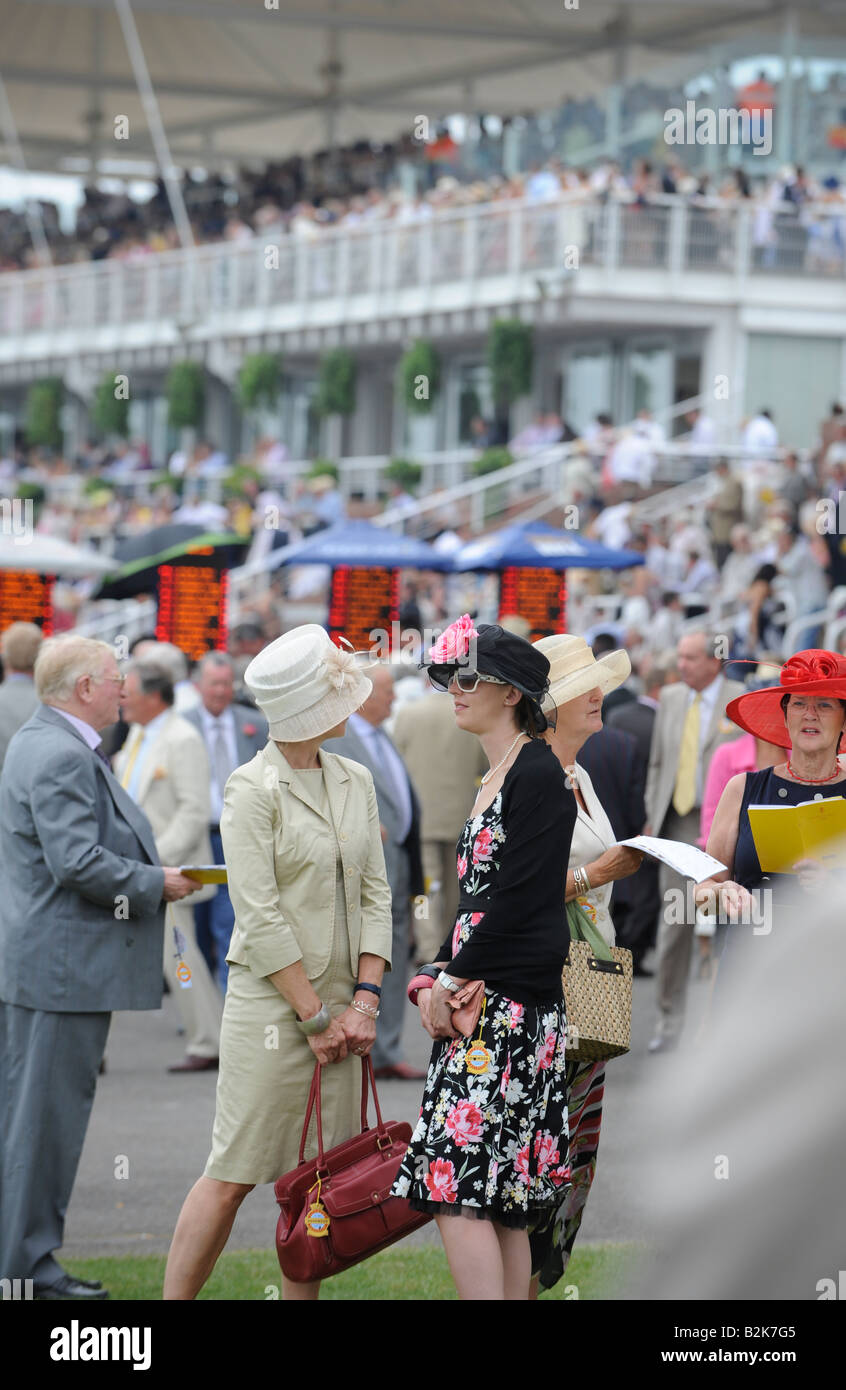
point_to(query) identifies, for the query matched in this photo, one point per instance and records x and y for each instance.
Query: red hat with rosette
(812, 672)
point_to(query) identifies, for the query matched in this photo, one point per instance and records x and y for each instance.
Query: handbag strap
(583, 929)
(368, 1083)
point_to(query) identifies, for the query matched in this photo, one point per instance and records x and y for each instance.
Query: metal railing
(465, 244)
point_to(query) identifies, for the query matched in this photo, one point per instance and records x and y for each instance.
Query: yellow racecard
(812, 830)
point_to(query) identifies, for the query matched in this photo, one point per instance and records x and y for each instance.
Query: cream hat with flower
(574, 670)
(305, 685)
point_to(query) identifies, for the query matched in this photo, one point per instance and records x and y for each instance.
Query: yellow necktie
(684, 796)
(131, 757)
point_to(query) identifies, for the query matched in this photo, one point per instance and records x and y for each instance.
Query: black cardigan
(520, 945)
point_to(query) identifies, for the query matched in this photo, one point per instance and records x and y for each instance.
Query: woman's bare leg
(534, 1288)
(201, 1232)
(516, 1262)
(300, 1293)
(474, 1257)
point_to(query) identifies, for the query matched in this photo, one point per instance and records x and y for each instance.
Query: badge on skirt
(477, 1058)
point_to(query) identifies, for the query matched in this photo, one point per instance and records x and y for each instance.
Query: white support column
(167, 168)
(619, 34)
(784, 108)
(35, 221)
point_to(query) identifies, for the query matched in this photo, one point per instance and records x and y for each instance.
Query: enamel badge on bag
(316, 1219)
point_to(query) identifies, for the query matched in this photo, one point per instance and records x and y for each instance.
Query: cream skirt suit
(307, 880)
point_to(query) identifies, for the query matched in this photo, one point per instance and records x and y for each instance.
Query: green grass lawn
(595, 1272)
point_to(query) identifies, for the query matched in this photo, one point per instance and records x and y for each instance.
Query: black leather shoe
(68, 1287)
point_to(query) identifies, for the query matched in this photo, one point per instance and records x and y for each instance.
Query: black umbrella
(137, 558)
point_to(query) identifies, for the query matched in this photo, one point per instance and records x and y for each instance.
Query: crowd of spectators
(416, 175)
(751, 546)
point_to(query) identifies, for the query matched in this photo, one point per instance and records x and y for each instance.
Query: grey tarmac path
(157, 1128)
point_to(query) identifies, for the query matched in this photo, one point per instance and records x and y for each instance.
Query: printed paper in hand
(205, 873)
(685, 859)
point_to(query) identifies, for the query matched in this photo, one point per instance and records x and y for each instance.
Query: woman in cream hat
(312, 937)
(577, 685)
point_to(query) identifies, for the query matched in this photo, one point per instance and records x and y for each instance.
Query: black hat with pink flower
(492, 651)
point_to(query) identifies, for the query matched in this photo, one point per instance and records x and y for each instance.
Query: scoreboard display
(538, 595)
(192, 600)
(26, 597)
(361, 600)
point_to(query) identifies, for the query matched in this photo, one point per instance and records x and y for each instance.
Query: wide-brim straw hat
(811, 672)
(574, 670)
(304, 685)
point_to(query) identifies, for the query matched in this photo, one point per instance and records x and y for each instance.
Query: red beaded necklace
(815, 781)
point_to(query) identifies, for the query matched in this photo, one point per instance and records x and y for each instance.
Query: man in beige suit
(690, 724)
(165, 769)
(445, 764)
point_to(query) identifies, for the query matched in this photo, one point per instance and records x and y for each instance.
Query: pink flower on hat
(454, 643)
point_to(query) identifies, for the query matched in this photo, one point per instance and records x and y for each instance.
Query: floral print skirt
(491, 1140)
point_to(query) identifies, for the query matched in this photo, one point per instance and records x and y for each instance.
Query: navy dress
(764, 788)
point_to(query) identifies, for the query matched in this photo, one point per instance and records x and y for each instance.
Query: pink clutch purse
(466, 1005)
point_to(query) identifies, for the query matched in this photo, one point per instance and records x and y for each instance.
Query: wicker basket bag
(597, 983)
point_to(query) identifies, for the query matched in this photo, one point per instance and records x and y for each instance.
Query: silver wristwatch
(317, 1024)
(447, 982)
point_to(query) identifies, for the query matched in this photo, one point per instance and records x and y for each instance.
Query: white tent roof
(249, 80)
(52, 555)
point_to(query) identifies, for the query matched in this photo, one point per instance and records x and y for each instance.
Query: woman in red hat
(805, 713)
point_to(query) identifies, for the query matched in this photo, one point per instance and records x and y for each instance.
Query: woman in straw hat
(577, 685)
(312, 937)
(486, 1157)
(805, 713)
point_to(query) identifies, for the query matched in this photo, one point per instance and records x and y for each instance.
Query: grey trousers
(47, 1081)
(387, 1049)
(675, 932)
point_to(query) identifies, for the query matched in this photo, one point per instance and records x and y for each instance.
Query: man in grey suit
(233, 735)
(18, 647)
(366, 742)
(82, 899)
(690, 724)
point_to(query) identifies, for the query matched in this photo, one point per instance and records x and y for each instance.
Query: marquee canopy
(261, 79)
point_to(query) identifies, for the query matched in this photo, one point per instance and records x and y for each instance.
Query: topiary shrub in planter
(110, 412)
(323, 467)
(42, 426)
(420, 377)
(510, 359)
(404, 472)
(185, 389)
(491, 461)
(258, 380)
(336, 383)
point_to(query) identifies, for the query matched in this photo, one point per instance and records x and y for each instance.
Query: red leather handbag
(336, 1209)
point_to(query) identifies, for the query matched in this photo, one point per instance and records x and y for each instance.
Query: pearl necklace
(490, 772)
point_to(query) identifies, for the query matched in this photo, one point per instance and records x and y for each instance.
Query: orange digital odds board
(362, 601)
(538, 595)
(192, 605)
(26, 597)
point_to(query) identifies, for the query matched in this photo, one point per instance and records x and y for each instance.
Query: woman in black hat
(489, 1153)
